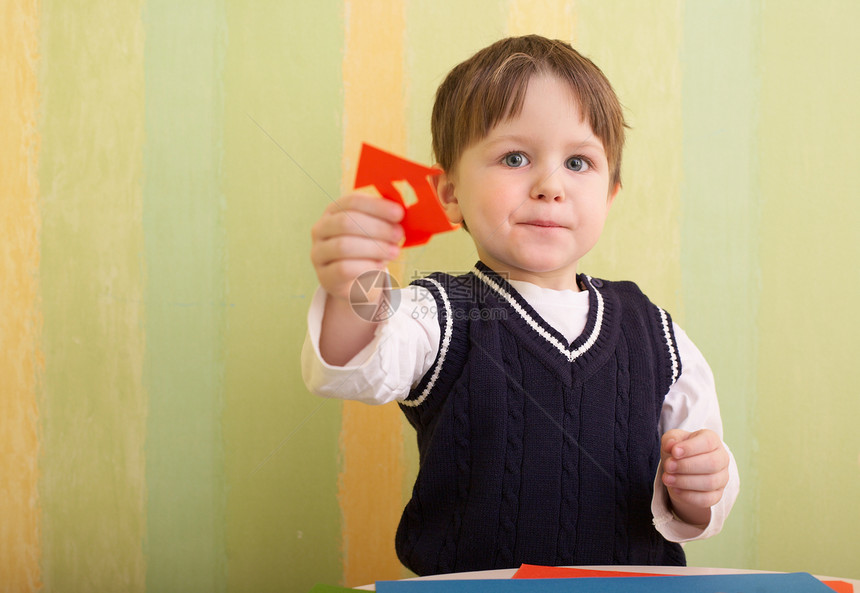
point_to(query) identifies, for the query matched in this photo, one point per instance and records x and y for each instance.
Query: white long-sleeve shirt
(405, 345)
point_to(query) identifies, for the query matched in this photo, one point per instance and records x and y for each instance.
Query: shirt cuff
(342, 382)
(402, 349)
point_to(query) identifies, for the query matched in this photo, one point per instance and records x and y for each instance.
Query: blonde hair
(491, 86)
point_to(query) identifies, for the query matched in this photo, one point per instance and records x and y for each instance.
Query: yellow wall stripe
(93, 404)
(371, 437)
(642, 238)
(550, 18)
(20, 321)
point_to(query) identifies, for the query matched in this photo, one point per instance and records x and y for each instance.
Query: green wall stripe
(185, 295)
(636, 45)
(719, 235)
(93, 407)
(283, 68)
(807, 405)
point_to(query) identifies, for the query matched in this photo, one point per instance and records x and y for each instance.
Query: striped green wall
(282, 71)
(808, 403)
(720, 210)
(184, 295)
(161, 164)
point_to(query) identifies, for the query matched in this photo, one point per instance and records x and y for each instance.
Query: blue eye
(576, 163)
(515, 160)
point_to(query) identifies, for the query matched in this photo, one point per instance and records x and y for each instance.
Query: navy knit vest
(532, 449)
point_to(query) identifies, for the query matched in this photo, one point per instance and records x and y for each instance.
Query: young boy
(561, 420)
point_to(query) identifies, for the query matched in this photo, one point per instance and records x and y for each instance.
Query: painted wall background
(161, 164)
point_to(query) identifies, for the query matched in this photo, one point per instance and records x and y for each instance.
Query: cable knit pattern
(513, 459)
(622, 459)
(567, 511)
(448, 554)
(533, 449)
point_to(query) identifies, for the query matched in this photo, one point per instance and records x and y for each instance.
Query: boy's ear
(444, 185)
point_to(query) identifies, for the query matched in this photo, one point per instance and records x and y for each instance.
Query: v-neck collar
(538, 325)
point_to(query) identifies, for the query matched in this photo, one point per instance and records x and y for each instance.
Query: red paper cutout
(381, 169)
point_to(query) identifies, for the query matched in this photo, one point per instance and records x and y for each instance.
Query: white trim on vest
(571, 355)
(673, 355)
(443, 348)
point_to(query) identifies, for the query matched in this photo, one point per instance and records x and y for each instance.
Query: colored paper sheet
(798, 582)
(840, 586)
(532, 571)
(382, 170)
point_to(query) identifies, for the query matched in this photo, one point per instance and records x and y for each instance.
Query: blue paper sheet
(798, 582)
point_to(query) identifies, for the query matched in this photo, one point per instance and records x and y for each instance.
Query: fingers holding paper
(356, 234)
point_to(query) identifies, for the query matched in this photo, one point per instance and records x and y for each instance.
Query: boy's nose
(548, 186)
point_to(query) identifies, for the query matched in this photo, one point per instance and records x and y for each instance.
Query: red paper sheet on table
(382, 170)
(531, 571)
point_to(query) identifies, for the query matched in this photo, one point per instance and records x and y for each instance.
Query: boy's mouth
(542, 223)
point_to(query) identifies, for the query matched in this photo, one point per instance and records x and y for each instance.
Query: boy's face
(534, 193)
